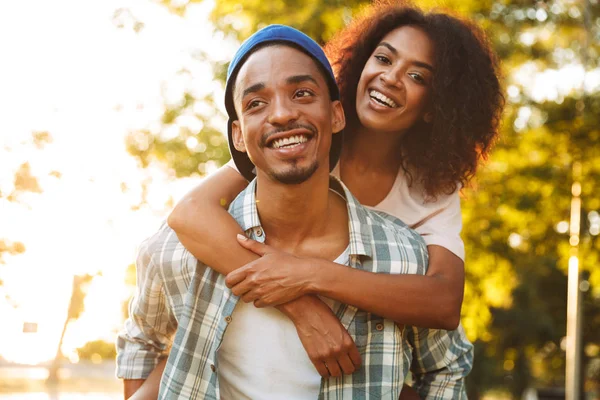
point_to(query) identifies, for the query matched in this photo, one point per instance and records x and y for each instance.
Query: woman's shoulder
(408, 200)
(438, 219)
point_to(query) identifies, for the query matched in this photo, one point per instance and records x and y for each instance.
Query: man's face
(285, 115)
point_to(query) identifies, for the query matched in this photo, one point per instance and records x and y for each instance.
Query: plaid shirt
(179, 295)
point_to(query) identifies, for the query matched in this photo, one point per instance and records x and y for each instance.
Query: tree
(24, 181)
(97, 350)
(76, 308)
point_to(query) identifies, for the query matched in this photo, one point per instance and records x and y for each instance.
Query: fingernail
(241, 237)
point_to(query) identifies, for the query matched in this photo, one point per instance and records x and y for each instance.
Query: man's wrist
(296, 308)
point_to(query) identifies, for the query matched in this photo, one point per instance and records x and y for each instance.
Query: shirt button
(228, 319)
(379, 327)
(213, 368)
(259, 232)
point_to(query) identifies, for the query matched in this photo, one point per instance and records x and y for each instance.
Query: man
(284, 106)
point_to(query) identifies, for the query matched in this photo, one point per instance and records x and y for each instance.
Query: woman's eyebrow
(394, 51)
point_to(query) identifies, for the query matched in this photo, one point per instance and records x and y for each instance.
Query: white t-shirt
(261, 356)
(439, 222)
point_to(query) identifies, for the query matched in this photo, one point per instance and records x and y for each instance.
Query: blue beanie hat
(298, 40)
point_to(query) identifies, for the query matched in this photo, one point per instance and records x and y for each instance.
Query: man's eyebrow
(395, 52)
(301, 78)
(253, 89)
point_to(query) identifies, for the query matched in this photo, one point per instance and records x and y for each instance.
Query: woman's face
(395, 83)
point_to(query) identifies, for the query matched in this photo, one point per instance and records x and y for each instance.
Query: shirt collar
(244, 211)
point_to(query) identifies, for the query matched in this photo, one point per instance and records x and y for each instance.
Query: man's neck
(294, 215)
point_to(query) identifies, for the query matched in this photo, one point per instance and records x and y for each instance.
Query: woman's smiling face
(394, 86)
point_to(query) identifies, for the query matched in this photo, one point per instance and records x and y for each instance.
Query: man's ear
(237, 137)
(338, 118)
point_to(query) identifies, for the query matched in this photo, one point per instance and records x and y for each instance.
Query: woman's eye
(383, 59)
(417, 78)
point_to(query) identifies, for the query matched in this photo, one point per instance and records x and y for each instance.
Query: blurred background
(111, 110)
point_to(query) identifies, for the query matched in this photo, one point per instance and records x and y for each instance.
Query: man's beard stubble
(293, 175)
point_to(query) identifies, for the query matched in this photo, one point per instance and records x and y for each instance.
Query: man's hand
(274, 279)
(327, 343)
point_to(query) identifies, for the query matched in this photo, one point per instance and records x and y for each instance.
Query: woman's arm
(430, 301)
(204, 226)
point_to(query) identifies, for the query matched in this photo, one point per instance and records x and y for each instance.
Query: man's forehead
(287, 59)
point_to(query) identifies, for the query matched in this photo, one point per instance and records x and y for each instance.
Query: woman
(422, 102)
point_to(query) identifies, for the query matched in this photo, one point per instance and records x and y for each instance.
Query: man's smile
(289, 141)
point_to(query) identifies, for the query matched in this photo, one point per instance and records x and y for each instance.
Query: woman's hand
(275, 278)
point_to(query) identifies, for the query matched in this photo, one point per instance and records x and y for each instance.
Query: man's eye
(304, 93)
(253, 103)
(383, 59)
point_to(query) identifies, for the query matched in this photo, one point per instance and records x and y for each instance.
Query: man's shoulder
(164, 239)
(243, 207)
(162, 253)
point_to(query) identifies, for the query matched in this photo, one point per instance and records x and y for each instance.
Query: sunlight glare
(77, 75)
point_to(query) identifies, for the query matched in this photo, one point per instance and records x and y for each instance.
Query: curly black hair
(466, 95)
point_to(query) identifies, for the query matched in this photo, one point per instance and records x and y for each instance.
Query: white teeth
(383, 98)
(289, 141)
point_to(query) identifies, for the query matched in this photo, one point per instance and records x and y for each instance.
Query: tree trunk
(55, 366)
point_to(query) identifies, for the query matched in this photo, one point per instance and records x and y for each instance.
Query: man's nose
(283, 111)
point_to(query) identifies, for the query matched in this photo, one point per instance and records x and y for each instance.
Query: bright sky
(67, 69)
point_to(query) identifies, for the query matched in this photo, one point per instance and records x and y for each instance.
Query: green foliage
(515, 214)
(97, 349)
(130, 281)
(24, 182)
(183, 147)
(40, 139)
(318, 18)
(76, 305)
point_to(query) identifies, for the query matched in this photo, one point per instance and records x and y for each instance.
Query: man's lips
(289, 141)
(288, 137)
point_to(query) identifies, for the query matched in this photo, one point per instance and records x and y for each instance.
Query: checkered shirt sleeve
(147, 335)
